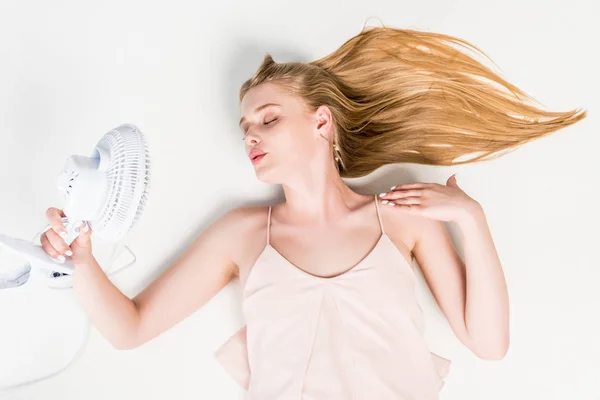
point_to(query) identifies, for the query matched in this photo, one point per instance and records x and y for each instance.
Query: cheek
(294, 144)
(298, 150)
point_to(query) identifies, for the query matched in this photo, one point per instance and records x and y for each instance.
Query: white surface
(71, 70)
(42, 330)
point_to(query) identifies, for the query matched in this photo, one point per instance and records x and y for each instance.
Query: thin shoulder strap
(268, 224)
(378, 215)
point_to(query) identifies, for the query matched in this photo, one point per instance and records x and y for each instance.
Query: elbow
(493, 355)
(496, 352)
(126, 341)
(127, 337)
(124, 344)
(486, 347)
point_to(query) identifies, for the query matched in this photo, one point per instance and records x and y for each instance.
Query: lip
(255, 152)
(258, 159)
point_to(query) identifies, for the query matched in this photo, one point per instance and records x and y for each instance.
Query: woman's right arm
(193, 279)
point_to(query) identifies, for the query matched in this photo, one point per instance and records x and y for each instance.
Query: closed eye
(266, 123)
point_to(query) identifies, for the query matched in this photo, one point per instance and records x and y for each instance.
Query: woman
(327, 278)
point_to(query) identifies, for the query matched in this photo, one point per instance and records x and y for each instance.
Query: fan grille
(128, 179)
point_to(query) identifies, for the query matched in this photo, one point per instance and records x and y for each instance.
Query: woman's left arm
(472, 294)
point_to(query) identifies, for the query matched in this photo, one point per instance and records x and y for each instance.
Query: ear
(324, 122)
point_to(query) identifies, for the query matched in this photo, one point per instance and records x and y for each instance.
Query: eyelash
(266, 123)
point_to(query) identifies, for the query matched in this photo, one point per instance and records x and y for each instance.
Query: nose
(251, 137)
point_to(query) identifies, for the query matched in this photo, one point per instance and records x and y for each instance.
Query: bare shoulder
(245, 229)
(403, 228)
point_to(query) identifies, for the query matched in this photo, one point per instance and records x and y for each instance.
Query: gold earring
(335, 148)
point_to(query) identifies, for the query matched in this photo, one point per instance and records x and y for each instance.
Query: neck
(318, 198)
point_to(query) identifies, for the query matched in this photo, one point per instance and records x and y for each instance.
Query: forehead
(259, 95)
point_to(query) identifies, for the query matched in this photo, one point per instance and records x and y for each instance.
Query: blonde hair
(404, 96)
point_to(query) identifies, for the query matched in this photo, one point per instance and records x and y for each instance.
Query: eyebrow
(258, 109)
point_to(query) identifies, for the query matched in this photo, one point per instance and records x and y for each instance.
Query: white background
(72, 70)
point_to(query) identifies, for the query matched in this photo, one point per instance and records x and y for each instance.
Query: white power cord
(7, 390)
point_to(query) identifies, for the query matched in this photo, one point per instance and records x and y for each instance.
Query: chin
(267, 179)
(267, 176)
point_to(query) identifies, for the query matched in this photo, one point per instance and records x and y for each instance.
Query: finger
(405, 200)
(413, 185)
(409, 200)
(397, 194)
(85, 231)
(48, 248)
(57, 242)
(54, 217)
(413, 208)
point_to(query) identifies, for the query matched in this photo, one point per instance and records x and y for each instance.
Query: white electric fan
(107, 189)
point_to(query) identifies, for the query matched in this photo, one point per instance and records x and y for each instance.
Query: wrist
(471, 214)
(86, 260)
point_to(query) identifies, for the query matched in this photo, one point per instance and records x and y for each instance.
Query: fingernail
(393, 187)
(382, 194)
(69, 253)
(63, 234)
(86, 228)
(61, 258)
(392, 204)
(385, 202)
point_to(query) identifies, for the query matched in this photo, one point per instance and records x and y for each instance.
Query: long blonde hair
(405, 96)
